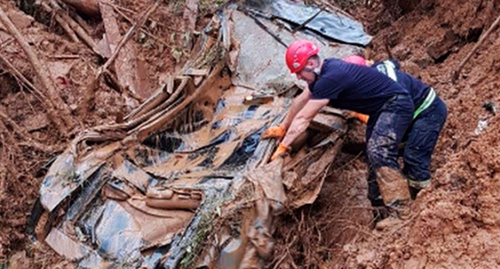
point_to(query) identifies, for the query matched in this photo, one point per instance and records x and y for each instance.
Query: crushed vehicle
(185, 181)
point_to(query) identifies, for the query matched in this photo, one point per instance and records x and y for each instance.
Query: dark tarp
(332, 25)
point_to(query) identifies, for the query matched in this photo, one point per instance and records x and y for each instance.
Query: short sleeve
(325, 88)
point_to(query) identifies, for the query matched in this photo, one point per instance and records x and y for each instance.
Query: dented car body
(185, 180)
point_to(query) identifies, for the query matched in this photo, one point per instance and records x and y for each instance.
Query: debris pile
(182, 179)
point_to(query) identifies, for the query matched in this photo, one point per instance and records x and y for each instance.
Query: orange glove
(274, 132)
(361, 117)
(280, 151)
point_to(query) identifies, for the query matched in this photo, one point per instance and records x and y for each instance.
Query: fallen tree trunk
(88, 7)
(58, 110)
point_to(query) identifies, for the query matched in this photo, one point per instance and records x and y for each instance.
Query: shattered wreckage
(185, 180)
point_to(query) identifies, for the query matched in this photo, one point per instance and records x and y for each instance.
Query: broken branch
(123, 90)
(75, 26)
(134, 13)
(89, 95)
(61, 117)
(481, 40)
(61, 22)
(89, 7)
(127, 18)
(189, 16)
(25, 135)
(83, 23)
(23, 79)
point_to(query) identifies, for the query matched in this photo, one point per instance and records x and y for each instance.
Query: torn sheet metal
(268, 177)
(118, 233)
(68, 173)
(126, 170)
(124, 230)
(333, 25)
(158, 190)
(65, 246)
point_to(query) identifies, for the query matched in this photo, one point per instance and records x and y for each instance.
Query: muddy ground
(455, 222)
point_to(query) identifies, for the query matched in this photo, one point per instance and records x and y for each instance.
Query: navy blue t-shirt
(418, 90)
(354, 87)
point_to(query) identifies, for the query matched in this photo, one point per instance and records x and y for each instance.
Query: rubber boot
(379, 210)
(394, 191)
(416, 186)
(397, 214)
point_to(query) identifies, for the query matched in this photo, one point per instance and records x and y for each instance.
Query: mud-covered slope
(29, 140)
(456, 222)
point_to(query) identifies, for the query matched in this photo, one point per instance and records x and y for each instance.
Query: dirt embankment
(29, 137)
(456, 222)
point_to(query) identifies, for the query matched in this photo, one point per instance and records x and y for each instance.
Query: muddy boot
(416, 186)
(397, 214)
(394, 191)
(379, 211)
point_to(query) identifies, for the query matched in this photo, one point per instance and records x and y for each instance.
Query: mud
(456, 224)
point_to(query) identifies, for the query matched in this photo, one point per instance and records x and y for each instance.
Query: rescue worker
(357, 88)
(428, 121)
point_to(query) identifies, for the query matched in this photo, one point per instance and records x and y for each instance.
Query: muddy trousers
(420, 140)
(385, 131)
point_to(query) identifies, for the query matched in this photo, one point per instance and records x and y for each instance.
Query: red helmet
(355, 59)
(298, 53)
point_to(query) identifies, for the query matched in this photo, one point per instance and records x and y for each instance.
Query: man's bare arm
(298, 103)
(301, 121)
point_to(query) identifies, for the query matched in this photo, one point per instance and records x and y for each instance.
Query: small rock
(481, 125)
(36, 122)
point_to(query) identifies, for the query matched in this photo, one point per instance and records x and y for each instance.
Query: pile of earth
(455, 223)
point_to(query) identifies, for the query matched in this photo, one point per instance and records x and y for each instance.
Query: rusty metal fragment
(161, 189)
